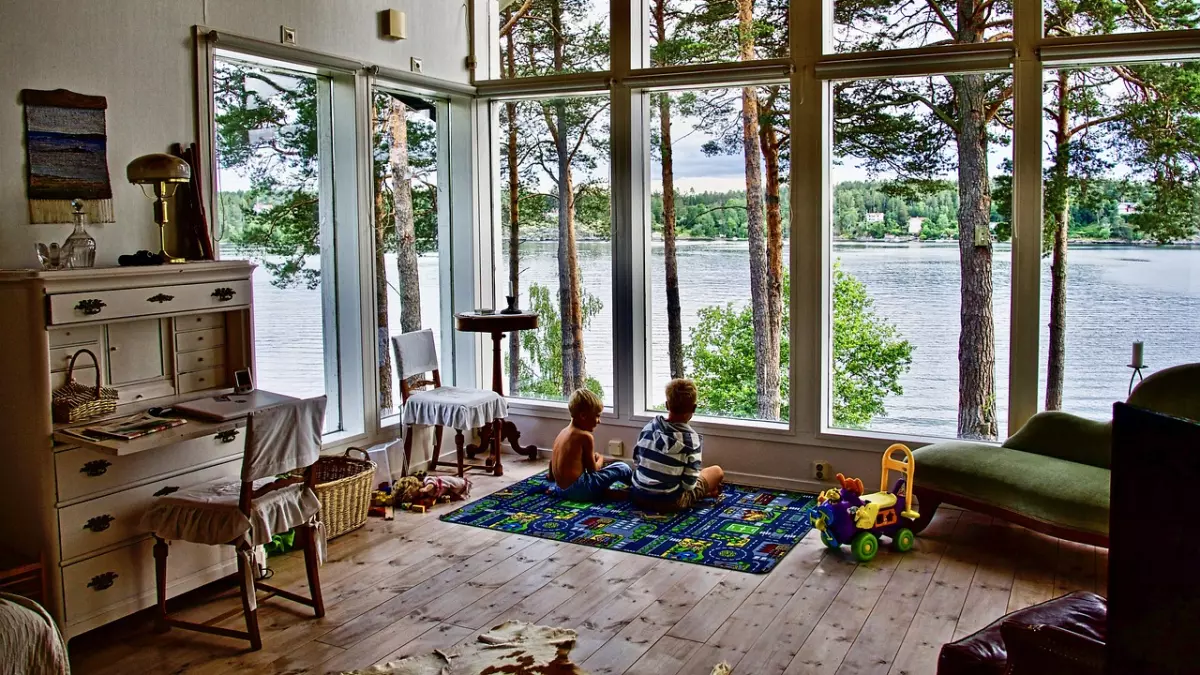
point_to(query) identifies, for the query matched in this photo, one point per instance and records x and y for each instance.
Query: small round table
(498, 325)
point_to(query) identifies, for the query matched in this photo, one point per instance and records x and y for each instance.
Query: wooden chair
(247, 512)
(460, 408)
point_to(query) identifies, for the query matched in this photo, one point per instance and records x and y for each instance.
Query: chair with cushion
(460, 408)
(268, 498)
(1053, 474)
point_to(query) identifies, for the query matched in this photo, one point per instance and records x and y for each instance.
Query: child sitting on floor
(668, 476)
(575, 466)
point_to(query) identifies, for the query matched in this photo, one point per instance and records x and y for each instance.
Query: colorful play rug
(746, 529)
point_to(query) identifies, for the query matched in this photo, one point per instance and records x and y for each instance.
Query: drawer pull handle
(224, 294)
(104, 581)
(166, 491)
(96, 467)
(99, 523)
(91, 306)
(161, 297)
(227, 436)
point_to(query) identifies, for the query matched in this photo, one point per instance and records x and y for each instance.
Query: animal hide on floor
(512, 648)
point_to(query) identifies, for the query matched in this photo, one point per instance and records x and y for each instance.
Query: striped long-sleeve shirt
(667, 458)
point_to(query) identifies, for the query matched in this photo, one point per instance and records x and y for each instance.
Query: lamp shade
(158, 167)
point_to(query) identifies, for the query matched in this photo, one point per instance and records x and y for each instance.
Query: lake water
(1116, 294)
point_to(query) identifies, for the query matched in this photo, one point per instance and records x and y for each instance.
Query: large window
(273, 194)
(904, 24)
(548, 37)
(719, 212)
(554, 205)
(408, 193)
(920, 293)
(684, 32)
(1122, 155)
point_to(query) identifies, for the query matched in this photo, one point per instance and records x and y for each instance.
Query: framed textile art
(66, 147)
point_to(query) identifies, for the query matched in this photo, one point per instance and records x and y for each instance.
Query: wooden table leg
(506, 430)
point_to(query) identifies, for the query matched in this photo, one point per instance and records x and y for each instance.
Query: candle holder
(1137, 373)
(512, 305)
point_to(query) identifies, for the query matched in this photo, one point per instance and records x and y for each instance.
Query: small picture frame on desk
(243, 382)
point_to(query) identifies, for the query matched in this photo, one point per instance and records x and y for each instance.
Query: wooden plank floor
(415, 584)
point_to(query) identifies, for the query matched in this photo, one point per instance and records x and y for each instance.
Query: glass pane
(272, 201)
(718, 306)
(683, 32)
(1069, 19)
(920, 324)
(407, 285)
(558, 250)
(548, 37)
(905, 24)
(1122, 263)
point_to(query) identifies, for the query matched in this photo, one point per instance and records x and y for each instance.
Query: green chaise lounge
(1052, 475)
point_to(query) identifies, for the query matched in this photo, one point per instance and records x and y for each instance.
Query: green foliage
(869, 356)
(267, 132)
(541, 361)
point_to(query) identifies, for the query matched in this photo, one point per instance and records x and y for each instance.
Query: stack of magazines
(126, 428)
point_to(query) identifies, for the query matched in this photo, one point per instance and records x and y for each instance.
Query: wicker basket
(344, 488)
(75, 402)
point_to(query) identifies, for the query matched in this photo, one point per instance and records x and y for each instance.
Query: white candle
(1137, 355)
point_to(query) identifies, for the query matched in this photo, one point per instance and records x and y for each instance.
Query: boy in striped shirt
(668, 476)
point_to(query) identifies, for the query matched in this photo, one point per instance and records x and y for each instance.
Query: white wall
(138, 54)
(746, 460)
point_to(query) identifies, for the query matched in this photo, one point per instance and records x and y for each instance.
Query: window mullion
(809, 249)
(1027, 217)
(627, 198)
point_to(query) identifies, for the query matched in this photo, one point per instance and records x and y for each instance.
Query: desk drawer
(93, 585)
(195, 340)
(201, 380)
(204, 359)
(199, 321)
(94, 524)
(75, 335)
(82, 471)
(60, 357)
(66, 308)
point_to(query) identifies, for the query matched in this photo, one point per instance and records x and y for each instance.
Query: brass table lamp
(166, 173)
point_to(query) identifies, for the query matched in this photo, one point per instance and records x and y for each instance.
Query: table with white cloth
(498, 325)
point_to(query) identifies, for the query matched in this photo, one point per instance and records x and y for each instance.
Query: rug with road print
(746, 529)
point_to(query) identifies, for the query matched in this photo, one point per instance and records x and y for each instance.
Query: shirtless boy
(575, 464)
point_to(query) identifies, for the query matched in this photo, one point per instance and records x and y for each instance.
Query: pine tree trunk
(977, 337)
(406, 236)
(383, 330)
(569, 307)
(768, 396)
(569, 295)
(670, 262)
(1058, 207)
(770, 151)
(514, 220)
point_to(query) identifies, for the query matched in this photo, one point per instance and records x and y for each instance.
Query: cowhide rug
(512, 648)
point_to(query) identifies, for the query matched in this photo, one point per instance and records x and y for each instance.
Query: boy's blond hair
(584, 401)
(681, 395)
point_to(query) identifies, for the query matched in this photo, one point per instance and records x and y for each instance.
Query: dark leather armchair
(1079, 630)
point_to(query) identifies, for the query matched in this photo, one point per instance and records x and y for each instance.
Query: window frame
(809, 69)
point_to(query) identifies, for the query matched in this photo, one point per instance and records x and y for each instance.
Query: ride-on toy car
(847, 516)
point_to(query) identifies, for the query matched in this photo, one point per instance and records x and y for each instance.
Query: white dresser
(161, 335)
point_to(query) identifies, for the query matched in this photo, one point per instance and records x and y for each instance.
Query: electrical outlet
(416, 65)
(822, 470)
(616, 448)
(287, 35)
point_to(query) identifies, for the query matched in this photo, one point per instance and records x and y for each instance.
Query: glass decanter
(79, 250)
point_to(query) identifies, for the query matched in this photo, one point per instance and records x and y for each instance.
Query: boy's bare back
(572, 448)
